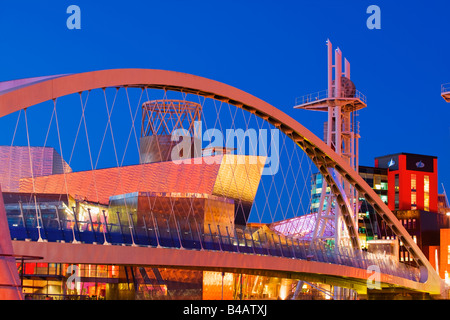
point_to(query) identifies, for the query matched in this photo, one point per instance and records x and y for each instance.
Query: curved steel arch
(21, 94)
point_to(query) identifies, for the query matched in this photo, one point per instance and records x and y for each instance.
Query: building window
(426, 190)
(377, 182)
(397, 200)
(426, 202)
(426, 183)
(413, 182)
(413, 200)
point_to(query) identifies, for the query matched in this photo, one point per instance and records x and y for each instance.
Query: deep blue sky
(272, 49)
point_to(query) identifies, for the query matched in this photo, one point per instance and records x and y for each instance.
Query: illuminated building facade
(376, 178)
(413, 197)
(412, 181)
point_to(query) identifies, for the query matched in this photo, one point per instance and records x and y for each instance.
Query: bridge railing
(198, 236)
(320, 95)
(445, 87)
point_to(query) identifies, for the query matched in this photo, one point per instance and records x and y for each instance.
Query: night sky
(275, 50)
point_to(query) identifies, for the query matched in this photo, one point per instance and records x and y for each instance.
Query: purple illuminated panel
(302, 227)
(15, 165)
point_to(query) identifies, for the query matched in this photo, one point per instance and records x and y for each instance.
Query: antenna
(445, 195)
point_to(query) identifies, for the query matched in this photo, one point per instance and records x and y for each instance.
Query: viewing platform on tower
(320, 101)
(341, 91)
(445, 91)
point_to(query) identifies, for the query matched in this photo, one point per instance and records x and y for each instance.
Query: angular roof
(225, 175)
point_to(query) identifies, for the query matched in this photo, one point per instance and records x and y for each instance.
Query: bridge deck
(341, 275)
(216, 252)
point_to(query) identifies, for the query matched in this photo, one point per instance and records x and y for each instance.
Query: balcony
(320, 101)
(445, 91)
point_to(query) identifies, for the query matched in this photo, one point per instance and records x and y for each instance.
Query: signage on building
(419, 163)
(388, 162)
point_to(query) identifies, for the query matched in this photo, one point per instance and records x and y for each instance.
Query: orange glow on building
(217, 285)
(444, 254)
(232, 176)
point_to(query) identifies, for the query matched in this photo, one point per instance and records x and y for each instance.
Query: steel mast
(341, 101)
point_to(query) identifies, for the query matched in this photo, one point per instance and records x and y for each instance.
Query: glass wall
(47, 281)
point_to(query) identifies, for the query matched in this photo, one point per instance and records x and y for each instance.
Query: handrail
(320, 95)
(266, 244)
(194, 236)
(445, 87)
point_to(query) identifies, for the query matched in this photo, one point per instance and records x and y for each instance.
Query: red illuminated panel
(423, 173)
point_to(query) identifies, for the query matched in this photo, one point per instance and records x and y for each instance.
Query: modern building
(412, 181)
(368, 224)
(412, 184)
(408, 184)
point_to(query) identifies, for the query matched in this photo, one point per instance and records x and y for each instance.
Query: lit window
(426, 190)
(426, 184)
(377, 182)
(448, 254)
(413, 201)
(397, 187)
(413, 182)
(397, 200)
(426, 202)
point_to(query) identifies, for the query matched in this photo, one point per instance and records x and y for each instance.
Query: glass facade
(397, 192)
(426, 194)
(368, 221)
(47, 281)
